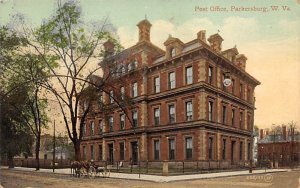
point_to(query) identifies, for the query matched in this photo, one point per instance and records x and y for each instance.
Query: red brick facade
(198, 100)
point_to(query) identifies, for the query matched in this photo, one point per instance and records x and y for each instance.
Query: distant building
(181, 109)
(282, 147)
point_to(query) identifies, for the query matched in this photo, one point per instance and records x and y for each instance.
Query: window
(173, 52)
(135, 64)
(189, 110)
(135, 118)
(171, 149)
(84, 129)
(224, 117)
(122, 92)
(122, 151)
(248, 122)
(224, 77)
(111, 123)
(241, 150)
(156, 149)
(111, 96)
(129, 67)
(92, 127)
(172, 82)
(156, 85)
(210, 74)
(84, 152)
(210, 111)
(100, 126)
(189, 75)
(92, 152)
(249, 149)
(232, 116)
(224, 150)
(123, 70)
(188, 148)
(100, 153)
(210, 148)
(156, 116)
(233, 86)
(172, 113)
(100, 102)
(241, 119)
(122, 121)
(249, 95)
(134, 89)
(241, 91)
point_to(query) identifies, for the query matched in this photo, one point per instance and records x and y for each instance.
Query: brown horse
(78, 166)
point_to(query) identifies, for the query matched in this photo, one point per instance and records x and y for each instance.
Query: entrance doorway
(111, 153)
(134, 152)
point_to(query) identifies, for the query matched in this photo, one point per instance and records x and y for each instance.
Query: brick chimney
(144, 30)
(109, 47)
(241, 61)
(284, 132)
(216, 42)
(261, 134)
(201, 35)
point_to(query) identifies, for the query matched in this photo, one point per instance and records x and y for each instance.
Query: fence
(44, 163)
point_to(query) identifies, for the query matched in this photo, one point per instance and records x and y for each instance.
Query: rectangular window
(189, 75)
(84, 129)
(92, 127)
(100, 102)
(84, 152)
(233, 117)
(249, 95)
(134, 90)
(111, 96)
(210, 74)
(100, 153)
(189, 110)
(224, 150)
(172, 113)
(135, 118)
(156, 85)
(233, 86)
(156, 116)
(241, 119)
(210, 148)
(248, 122)
(100, 126)
(241, 91)
(122, 92)
(241, 150)
(188, 148)
(223, 86)
(210, 111)
(171, 149)
(249, 150)
(122, 121)
(111, 123)
(172, 81)
(92, 152)
(122, 151)
(156, 149)
(224, 116)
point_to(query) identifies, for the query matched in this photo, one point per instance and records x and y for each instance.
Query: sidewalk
(156, 178)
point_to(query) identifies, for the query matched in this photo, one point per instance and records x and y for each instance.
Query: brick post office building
(180, 108)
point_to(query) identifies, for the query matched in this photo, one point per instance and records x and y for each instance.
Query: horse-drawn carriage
(88, 169)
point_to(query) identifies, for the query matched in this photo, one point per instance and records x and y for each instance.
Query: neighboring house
(181, 109)
(282, 147)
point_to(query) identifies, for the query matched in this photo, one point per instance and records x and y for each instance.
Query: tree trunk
(77, 150)
(10, 161)
(37, 153)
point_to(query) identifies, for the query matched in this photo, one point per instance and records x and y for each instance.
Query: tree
(77, 46)
(22, 69)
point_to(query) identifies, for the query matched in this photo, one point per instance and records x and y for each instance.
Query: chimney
(144, 30)
(241, 61)
(261, 135)
(109, 48)
(201, 35)
(216, 42)
(284, 132)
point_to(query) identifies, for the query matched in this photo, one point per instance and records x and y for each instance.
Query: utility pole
(53, 161)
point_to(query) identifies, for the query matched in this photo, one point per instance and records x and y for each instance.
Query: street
(23, 179)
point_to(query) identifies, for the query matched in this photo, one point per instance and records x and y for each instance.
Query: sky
(269, 38)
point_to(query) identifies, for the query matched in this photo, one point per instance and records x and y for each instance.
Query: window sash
(111, 123)
(156, 116)
(224, 119)
(156, 150)
(210, 74)
(172, 80)
(122, 91)
(210, 110)
(122, 121)
(156, 84)
(92, 128)
(134, 90)
(111, 95)
(189, 110)
(100, 126)
(171, 149)
(134, 118)
(189, 75)
(171, 113)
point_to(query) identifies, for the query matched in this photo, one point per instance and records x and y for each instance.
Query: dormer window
(123, 71)
(173, 52)
(135, 64)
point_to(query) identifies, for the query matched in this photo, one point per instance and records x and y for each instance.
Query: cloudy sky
(269, 39)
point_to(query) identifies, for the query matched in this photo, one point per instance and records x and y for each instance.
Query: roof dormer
(174, 46)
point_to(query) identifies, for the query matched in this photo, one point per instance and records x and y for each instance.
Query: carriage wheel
(82, 171)
(106, 173)
(92, 172)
